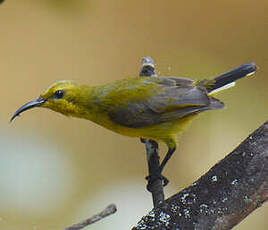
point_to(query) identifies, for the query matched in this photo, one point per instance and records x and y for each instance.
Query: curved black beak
(27, 106)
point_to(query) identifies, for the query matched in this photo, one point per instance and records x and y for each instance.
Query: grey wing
(178, 81)
(175, 101)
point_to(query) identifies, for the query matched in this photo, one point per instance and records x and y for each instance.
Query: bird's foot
(152, 179)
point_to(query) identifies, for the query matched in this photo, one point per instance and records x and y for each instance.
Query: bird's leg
(167, 157)
(153, 163)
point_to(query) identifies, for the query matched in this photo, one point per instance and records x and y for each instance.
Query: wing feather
(173, 98)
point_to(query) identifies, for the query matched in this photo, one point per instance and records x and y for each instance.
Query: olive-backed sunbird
(157, 108)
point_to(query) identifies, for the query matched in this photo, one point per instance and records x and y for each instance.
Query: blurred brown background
(54, 170)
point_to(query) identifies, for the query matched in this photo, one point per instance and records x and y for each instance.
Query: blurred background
(55, 171)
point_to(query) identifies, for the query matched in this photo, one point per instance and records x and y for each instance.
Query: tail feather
(227, 79)
(216, 90)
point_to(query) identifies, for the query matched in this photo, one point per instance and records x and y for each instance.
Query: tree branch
(106, 212)
(221, 198)
(154, 185)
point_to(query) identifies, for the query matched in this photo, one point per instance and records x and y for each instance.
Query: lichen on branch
(221, 198)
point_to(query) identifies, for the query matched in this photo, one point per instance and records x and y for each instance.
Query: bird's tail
(227, 80)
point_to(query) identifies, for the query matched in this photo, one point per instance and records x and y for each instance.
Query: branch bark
(221, 198)
(155, 185)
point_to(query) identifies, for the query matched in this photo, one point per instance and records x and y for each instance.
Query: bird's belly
(161, 132)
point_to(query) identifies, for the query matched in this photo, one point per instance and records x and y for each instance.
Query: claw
(151, 180)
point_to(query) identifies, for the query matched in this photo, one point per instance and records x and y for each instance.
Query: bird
(157, 107)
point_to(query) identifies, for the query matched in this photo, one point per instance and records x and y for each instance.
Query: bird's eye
(59, 94)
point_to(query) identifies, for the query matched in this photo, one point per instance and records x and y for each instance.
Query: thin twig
(155, 185)
(221, 198)
(106, 212)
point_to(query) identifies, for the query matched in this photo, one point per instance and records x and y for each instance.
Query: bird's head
(63, 97)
